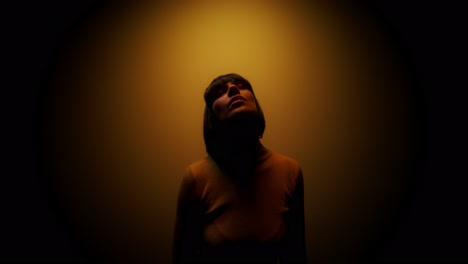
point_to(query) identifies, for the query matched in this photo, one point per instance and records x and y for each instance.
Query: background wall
(125, 118)
(127, 107)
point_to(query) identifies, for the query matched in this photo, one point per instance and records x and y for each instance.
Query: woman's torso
(245, 219)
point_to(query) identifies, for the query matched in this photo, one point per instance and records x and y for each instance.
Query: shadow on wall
(121, 118)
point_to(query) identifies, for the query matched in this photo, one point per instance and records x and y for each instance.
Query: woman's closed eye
(219, 92)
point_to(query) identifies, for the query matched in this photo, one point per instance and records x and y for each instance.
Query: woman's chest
(252, 211)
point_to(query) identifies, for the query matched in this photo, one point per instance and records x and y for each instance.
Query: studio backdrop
(122, 117)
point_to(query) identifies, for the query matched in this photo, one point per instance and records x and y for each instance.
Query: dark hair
(210, 122)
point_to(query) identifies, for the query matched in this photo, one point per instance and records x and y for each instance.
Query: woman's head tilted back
(230, 99)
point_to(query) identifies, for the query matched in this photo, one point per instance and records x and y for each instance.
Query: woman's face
(234, 99)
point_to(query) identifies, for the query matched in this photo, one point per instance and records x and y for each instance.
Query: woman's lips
(236, 99)
(236, 103)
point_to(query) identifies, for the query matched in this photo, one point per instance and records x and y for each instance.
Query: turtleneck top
(255, 215)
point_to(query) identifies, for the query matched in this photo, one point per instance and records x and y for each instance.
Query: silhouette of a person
(242, 202)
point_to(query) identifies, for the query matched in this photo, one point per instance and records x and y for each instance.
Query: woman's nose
(233, 90)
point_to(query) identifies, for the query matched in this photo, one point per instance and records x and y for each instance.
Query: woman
(242, 202)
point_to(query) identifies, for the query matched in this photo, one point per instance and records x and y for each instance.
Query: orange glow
(131, 110)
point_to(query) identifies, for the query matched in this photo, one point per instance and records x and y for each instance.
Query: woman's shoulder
(201, 168)
(283, 160)
(197, 174)
(285, 168)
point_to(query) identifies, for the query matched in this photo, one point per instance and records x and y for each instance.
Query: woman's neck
(238, 144)
(237, 153)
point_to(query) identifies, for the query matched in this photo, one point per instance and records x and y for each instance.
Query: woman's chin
(241, 113)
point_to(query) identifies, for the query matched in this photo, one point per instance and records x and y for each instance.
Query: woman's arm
(188, 225)
(294, 250)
